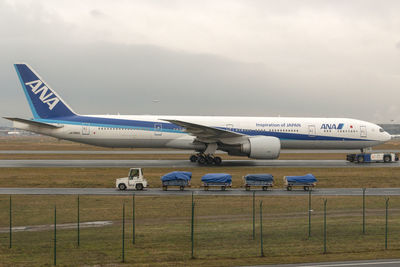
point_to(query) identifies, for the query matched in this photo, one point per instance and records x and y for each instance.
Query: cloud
(259, 58)
(97, 14)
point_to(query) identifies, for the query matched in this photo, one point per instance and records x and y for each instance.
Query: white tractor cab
(135, 180)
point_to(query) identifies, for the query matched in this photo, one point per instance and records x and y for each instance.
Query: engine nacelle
(262, 147)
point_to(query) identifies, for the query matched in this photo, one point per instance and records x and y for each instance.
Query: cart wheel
(122, 186)
(360, 159)
(264, 188)
(247, 188)
(306, 188)
(223, 188)
(289, 188)
(206, 188)
(164, 188)
(181, 187)
(139, 187)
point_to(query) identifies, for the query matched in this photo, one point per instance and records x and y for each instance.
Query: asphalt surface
(187, 163)
(383, 263)
(200, 192)
(174, 152)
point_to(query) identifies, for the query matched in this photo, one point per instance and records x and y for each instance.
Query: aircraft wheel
(360, 159)
(201, 160)
(217, 161)
(122, 187)
(386, 159)
(210, 160)
(193, 158)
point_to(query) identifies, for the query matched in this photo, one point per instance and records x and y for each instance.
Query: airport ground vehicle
(135, 180)
(372, 157)
(222, 180)
(263, 180)
(307, 181)
(176, 178)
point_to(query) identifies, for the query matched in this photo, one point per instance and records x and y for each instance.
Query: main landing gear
(203, 159)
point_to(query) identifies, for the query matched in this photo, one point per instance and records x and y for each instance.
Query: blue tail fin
(44, 101)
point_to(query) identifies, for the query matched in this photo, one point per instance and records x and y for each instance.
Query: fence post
(386, 222)
(309, 214)
(123, 232)
(78, 226)
(133, 220)
(325, 200)
(261, 231)
(363, 229)
(55, 235)
(192, 229)
(10, 245)
(254, 215)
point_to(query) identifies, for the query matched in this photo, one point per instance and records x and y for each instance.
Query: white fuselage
(149, 131)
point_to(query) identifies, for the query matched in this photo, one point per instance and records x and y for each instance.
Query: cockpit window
(381, 130)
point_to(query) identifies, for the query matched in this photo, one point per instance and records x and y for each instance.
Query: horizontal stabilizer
(34, 123)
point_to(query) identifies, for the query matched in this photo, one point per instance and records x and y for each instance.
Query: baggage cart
(222, 180)
(176, 178)
(307, 182)
(264, 180)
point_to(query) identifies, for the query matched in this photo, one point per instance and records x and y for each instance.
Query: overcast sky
(257, 58)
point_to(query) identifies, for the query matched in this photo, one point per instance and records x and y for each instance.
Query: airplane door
(311, 130)
(85, 129)
(363, 131)
(157, 129)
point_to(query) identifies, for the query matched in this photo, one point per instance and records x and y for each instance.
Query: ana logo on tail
(44, 96)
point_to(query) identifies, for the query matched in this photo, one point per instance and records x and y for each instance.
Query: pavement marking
(46, 227)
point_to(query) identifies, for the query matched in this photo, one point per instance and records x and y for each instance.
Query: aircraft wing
(34, 123)
(207, 134)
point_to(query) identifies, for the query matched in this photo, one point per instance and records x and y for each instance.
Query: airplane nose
(387, 137)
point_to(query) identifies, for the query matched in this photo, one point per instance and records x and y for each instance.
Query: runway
(188, 164)
(383, 263)
(201, 192)
(173, 152)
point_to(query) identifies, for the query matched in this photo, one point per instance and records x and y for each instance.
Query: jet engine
(262, 147)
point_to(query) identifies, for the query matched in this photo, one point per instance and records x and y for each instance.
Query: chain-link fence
(222, 229)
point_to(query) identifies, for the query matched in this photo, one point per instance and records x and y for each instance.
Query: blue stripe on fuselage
(172, 128)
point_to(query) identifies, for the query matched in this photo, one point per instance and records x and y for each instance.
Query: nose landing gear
(203, 159)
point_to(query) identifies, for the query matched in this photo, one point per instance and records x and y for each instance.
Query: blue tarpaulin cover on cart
(177, 175)
(308, 178)
(265, 177)
(217, 178)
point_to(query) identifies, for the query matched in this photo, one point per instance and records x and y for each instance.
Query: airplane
(254, 137)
